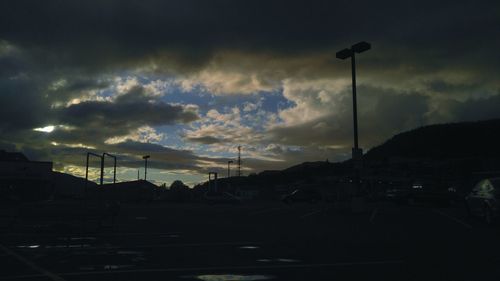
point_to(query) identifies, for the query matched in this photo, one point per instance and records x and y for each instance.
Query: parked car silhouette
(422, 192)
(482, 201)
(302, 195)
(221, 198)
(397, 194)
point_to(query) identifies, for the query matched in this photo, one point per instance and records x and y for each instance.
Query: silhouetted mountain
(441, 142)
(458, 150)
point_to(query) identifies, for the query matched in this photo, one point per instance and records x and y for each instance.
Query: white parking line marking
(198, 244)
(260, 212)
(311, 213)
(244, 267)
(26, 276)
(35, 267)
(453, 219)
(196, 207)
(96, 235)
(155, 246)
(139, 234)
(191, 269)
(372, 217)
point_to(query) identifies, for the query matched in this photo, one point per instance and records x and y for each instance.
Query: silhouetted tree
(178, 185)
(179, 192)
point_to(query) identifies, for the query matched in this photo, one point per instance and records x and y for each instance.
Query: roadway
(260, 241)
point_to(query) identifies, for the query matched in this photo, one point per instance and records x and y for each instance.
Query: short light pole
(360, 47)
(114, 166)
(212, 187)
(239, 160)
(87, 169)
(229, 168)
(145, 157)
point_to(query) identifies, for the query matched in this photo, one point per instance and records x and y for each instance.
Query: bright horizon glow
(47, 129)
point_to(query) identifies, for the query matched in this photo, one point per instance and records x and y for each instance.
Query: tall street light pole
(357, 153)
(145, 157)
(229, 168)
(360, 47)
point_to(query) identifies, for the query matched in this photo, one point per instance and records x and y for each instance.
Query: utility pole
(102, 169)
(229, 168)
(239, 160)
(145, 157)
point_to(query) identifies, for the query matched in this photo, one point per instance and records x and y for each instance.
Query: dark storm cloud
(160, 151)
(476, 109)
(103, 33)
(182, 37)
(22, 105)
(444, 87)
(74, 86)
(25, 106)
(27, 93)
(93, 122)
(204, 140)
(130, 155)
(381, 114)
(130, 110)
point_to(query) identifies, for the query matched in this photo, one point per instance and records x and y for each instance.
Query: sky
(187, 82)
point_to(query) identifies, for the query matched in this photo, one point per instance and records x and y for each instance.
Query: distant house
(22, 179)
(130, 191)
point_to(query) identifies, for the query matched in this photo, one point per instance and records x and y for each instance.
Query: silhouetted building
(130, 191)
(22, 179)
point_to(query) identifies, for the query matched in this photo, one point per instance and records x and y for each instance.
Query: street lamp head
(345, 53)
(145, 157)
(361, 47)
(230, 162)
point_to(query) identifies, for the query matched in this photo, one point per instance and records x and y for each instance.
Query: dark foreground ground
(265, 241)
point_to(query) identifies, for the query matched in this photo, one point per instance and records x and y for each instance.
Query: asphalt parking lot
(260, 241)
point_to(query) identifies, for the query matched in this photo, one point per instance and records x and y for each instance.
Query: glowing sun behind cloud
(46, 129)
